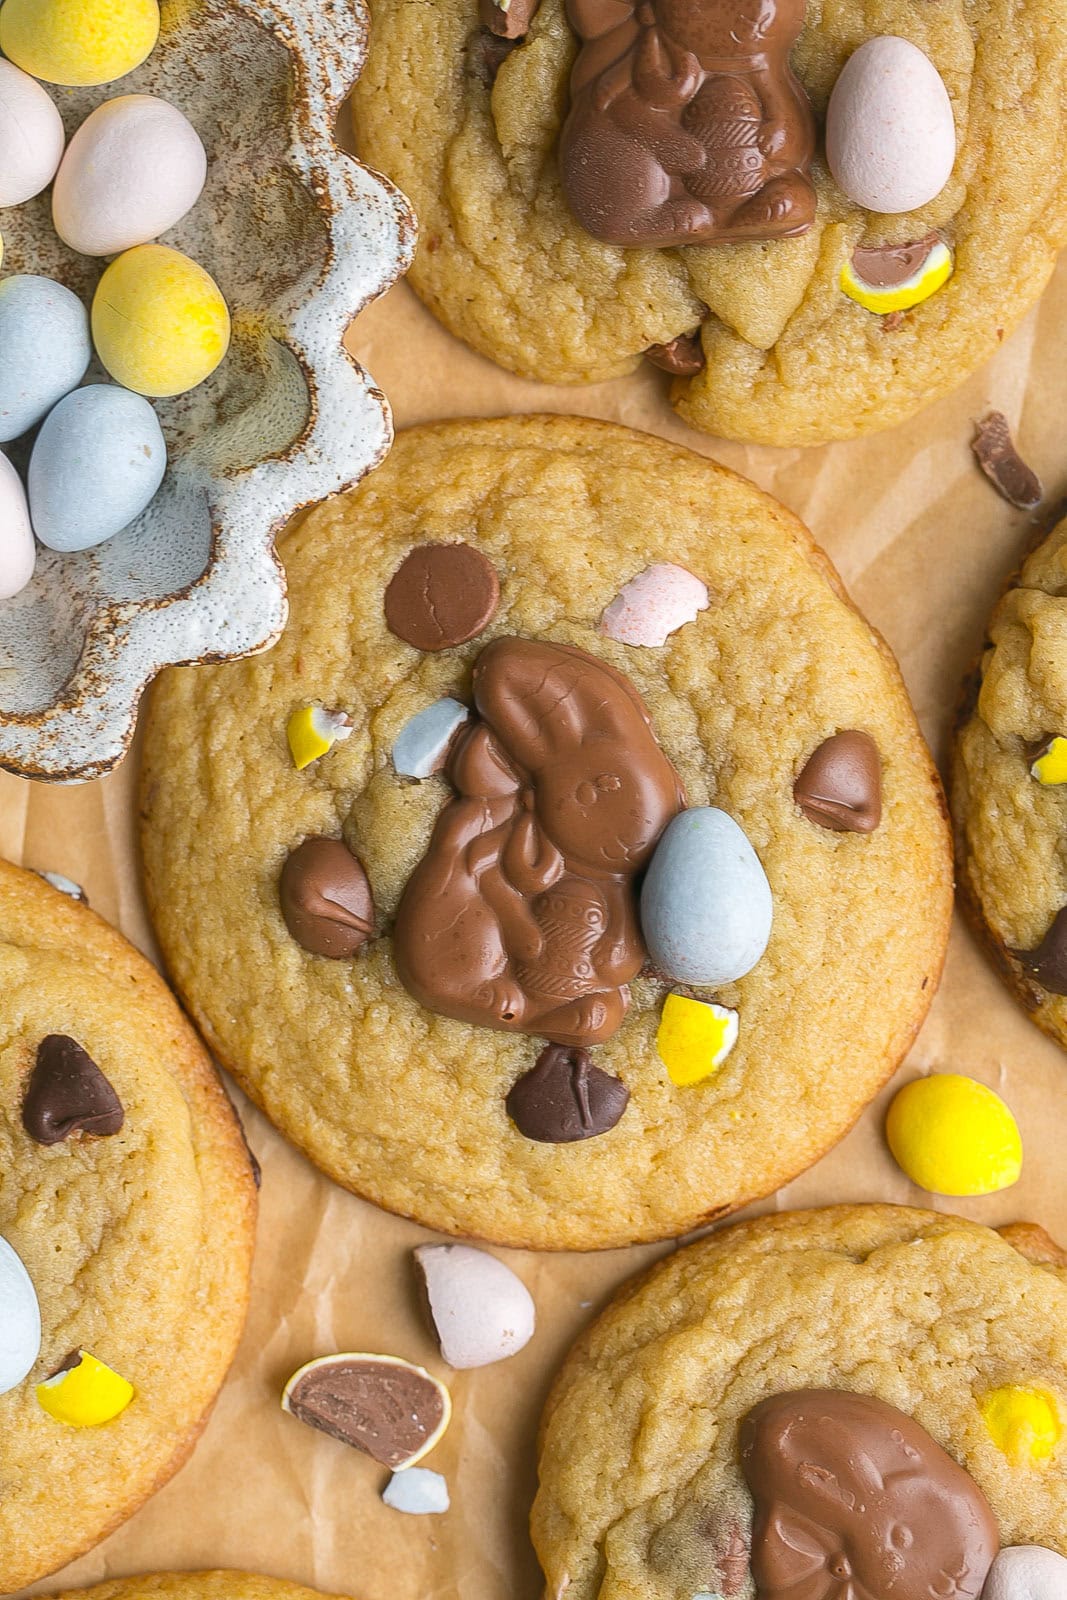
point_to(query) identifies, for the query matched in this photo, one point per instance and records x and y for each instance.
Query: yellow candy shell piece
(1052, 766)
(87, 1395)
(954, 1136)
(78, 41)
(160, 324)
(1024, 1423)
(311, 731)
(694, 1038)
(935, 271)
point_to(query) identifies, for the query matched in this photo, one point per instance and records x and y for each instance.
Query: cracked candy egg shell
(408, 1107)
(138, 1243)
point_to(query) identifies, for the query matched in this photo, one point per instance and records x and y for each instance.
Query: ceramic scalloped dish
(297, 236)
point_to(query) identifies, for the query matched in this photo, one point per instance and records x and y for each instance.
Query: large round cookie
(652, 1483)
(1009, 803)
(221, 1585)
(406, 1105)
(789, 358)
(127, 1192)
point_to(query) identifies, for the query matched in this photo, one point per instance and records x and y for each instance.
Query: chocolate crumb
(1002, 464)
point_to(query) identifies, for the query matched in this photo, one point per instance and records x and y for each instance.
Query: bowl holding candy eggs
(183, 247)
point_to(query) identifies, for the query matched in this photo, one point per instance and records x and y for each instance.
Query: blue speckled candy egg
(44, 349)
(98, 461)
(706, 904)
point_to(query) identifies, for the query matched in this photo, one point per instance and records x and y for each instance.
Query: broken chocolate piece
(1002, 464)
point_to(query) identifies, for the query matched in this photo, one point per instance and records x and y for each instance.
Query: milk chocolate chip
(840, 786)
(1002, 464)
(326, 899)
(388, 1408)
(522, 914)
(441, 595)
(687, 124)
(1048, 963)
(67, 1093)
(682, 356)
(854, 1498)
(564, 1098)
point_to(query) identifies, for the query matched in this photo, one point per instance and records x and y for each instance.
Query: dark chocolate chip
(67, 1093)
(441, 595)
(682, 356)
(1048, 962)
(564, 1098)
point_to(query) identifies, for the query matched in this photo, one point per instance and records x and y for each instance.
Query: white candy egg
(97, 462)
(482, 1312)
(18, 553)
(1027, 1572)
(31, 136)
(20, 1320)
(44, 349)
(890, 135)
(132, 170)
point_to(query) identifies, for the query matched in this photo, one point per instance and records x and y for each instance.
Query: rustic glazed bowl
(299, 236)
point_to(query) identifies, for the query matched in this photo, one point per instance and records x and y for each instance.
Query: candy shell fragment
(1023, 1423)
(653, 605)
(694, 1038)
(954, 1136)
(311, 732)
(481, 1311)
(422, 743)
(1050, 766)
(388, 1408)
(418, 1491)
(84, 1393)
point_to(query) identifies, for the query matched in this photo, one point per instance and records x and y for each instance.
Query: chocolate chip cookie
(866, 1399)
(573, 870)
(194, 1586)
(127, 1215)
(601, 181)
(1009, 790)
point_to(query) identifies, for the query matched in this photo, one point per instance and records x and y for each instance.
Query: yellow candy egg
(311, 731)
(1024, 1423)
(160, 323)
(78, 41)
(1050, 767)
(694, 1038)
(954, 1136)
(86, 1395)
(934, 271)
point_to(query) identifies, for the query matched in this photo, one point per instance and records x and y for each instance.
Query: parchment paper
(923, 543)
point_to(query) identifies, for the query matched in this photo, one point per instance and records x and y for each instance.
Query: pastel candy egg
(890, 136)
(78, 41)
(132, 170)
(482, 1312)
(18, 554)
(85, 1392)
(1027, 1572)
(20, 1319)
(44, 349)
(160, 323)
(706, 904)
(31, 136)
(654, 604)
(97, 462)
(954, 1136)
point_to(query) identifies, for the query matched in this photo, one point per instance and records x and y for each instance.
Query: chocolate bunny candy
(687, 125)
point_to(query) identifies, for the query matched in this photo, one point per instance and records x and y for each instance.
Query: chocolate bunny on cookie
(687, 124)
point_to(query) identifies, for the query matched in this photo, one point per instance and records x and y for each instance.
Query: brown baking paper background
(924, 544)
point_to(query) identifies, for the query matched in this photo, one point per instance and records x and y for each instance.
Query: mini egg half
(133, 169)
(31, 136)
